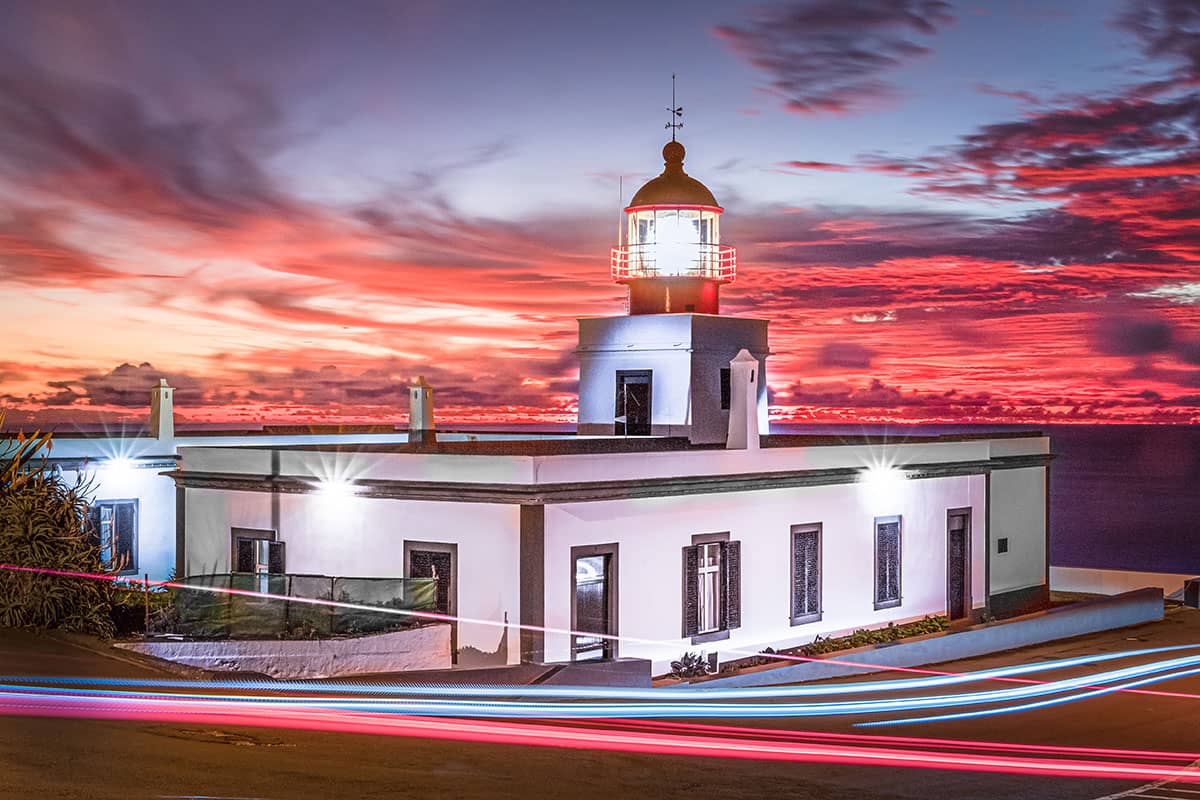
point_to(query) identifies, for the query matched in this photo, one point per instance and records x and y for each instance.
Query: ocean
(1121, 496)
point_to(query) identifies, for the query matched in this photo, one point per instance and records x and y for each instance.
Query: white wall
(1114, 581)
(1019, 514)
(364, 537)
(156, 511)
(652, 532)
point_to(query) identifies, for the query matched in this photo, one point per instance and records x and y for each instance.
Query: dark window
(725, 388)
(256, 551)
(114, 530)
(887, 562)
(712, 587)
(1002, 545)
(806, 573)
(633, 405)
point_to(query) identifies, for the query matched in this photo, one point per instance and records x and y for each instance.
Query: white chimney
(162, 411)
(743, 402)
(420, 406)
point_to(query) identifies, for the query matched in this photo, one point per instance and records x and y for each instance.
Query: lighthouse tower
(664, 370)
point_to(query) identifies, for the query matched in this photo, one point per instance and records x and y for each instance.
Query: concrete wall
(1018, 514)
(653, 531)
(1132, 608)
(424, 648)
(1114, 581)
(364, 537)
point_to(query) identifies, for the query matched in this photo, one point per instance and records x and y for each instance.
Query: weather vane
(675, 111)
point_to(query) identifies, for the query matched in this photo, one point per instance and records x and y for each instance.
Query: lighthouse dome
(673, 187)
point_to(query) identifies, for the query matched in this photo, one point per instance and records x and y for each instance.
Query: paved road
(53, 758)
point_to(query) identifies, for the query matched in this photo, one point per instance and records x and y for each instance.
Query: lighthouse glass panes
(710, 587)
(674, 243)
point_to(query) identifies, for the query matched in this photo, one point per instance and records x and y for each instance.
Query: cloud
(844, 354)
(830, 55)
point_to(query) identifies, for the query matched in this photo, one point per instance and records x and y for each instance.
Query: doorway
(633, 402)
(958, 563)
(593, 602)
(437, 560)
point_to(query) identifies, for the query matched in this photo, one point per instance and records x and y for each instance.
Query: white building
(668, 525)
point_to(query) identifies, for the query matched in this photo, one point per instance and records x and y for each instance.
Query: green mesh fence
(212, 612)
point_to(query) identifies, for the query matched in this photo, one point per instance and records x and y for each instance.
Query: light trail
(666, 705)
(591, 737)
(507, 625)
(633, 693)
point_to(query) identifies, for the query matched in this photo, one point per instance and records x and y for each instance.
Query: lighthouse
(664, 369)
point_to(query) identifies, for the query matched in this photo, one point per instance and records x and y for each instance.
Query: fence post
(146, 598)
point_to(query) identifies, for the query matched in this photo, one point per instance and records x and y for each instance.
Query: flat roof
(633, 444)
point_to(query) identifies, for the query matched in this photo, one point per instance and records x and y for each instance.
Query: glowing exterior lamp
(118, 467)
(670, 255)
(884, 483)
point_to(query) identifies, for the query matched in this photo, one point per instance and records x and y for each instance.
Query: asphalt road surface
(67, 758)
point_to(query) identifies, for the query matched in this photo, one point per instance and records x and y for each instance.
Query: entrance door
(594, 608)
(633, 402)
(438, 561)
(958, 564)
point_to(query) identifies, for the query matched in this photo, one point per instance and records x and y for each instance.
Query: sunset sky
(963, 211)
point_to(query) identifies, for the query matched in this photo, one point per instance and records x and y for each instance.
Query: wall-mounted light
(118, 467)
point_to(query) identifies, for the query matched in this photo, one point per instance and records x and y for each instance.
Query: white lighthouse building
(664, 369)
(673, 522)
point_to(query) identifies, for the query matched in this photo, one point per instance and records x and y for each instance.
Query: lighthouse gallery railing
(711, 261)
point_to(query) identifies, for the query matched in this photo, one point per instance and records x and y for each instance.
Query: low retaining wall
(1090, 616)
(423, 648)
(1112, 581)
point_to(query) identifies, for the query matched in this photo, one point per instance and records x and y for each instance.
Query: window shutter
(275, 558)
(691, 591)
(94, 519)
(806, 577)
(732, 596)
(124, 535)
(245, 555)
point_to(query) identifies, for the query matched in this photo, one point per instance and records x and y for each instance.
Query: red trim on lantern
(673, 207)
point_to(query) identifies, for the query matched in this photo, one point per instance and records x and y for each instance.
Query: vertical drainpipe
(987, 544)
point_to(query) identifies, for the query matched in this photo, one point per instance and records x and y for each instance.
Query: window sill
(805, 619)
(887, 604)
(712, 636)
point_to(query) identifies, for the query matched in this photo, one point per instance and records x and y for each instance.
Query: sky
(949, 211)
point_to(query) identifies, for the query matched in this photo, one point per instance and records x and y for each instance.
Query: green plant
(691, 665)
(44, 525)
(863, 636)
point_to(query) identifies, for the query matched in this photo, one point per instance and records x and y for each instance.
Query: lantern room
(671, 256)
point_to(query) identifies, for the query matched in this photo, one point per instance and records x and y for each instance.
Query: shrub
(44, 524)
(690, 665)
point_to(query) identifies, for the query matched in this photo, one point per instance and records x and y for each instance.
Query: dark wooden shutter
(94, 519)
(731, 557)
(691, 591)
(245, 555)
(124, 536)
(275, 558)
(806, 577)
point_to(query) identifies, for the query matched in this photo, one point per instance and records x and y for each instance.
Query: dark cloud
(844, 354)
(1167, 28)
(75, 139)
(1125, 336)
(829, 55)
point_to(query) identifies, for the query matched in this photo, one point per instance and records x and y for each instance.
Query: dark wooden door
(593, 607)
(958, 586)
